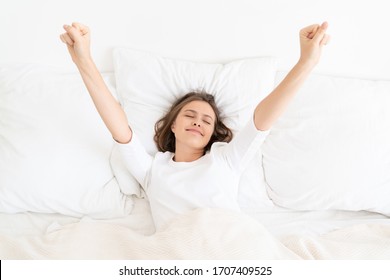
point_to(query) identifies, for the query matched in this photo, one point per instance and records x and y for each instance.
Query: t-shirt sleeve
(136, 159)
(244, 146)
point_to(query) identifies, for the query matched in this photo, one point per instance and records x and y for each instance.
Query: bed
(319, 188)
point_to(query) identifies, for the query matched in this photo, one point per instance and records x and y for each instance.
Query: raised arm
(312, 38)
(77, 39)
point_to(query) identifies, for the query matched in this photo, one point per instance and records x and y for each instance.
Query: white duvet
(200, 234)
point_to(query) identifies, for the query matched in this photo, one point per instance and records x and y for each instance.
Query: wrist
(84, 63)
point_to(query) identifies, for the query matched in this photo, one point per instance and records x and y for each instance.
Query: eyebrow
(195, 112)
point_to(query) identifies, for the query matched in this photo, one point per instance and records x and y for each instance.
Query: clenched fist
(77, 39)
(312, 39)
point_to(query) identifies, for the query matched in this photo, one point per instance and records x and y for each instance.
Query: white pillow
(147, 85)
(331, 149)
(54, 148)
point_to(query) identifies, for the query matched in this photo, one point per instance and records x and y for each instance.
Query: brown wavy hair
(165, 138)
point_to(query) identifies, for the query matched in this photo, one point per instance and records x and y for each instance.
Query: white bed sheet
(29, 223)
(279, 221)
(200, 234)
(282, 222)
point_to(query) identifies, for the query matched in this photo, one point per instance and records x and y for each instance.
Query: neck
(187, 155)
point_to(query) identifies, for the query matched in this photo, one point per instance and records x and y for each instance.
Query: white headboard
(202, 30)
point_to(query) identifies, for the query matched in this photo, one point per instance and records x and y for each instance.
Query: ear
(173, 126)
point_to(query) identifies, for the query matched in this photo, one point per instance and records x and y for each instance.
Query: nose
(195, 124)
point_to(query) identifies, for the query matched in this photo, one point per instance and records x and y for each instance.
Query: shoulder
(217, 148)
(163, 156)
(217, 145)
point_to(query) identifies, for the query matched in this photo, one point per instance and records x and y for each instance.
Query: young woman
(199, 162)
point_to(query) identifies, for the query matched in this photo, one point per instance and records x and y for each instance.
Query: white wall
(203, 30)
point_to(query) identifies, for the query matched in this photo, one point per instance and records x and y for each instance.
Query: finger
(70, 48)
(309, 30)
(67, 39)
(62, 39)
(81, 27)
(311, 34)
(73, 33)
(320, 34)
(325, 40)
(325, 25)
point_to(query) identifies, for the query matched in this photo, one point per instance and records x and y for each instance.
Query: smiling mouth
(194, 131)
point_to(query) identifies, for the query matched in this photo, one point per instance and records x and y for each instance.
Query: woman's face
(194, 125)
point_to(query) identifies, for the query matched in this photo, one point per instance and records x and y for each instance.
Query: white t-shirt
(177, 187)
